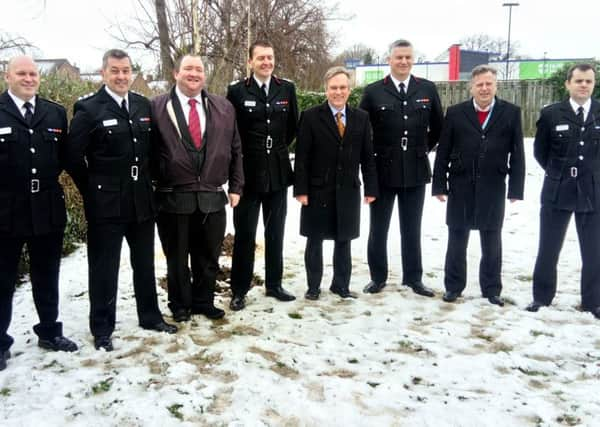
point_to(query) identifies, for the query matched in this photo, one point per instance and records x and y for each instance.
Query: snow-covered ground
(388, 359)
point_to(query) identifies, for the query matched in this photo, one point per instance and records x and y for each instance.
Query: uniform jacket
(31, 199)
(472, 163)
(107, 155)
(267, 126)
(404, 130)
(568, 153)
(176, 170)
(327, 171)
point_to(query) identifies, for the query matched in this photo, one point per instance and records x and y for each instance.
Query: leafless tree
(496, 46)
(11, 44)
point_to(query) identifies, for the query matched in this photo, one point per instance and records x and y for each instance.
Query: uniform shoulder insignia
(234, 82)
(86, 96)
(279, 80)
(52, 102)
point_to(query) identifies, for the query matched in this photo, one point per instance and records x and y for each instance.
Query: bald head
(22, 77)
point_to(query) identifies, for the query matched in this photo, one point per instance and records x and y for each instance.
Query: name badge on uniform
(109, 122)
(249, 103)
(5, 131)
(560, 128)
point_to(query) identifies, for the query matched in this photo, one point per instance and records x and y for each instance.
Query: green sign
(538, 69)
(373, 75)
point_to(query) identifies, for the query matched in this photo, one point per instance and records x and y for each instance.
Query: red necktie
(194, 124)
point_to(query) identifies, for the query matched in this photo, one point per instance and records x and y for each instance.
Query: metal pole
(248, 42)
(510, 6)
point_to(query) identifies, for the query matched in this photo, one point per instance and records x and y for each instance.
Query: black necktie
(402, 89)
(124, 106)
(580, 115)
(28, 112)
(264, 89)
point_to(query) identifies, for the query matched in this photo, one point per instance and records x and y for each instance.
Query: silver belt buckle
(35, 185)
(269, 144)
(404, 143)
(134, 172)
(574, 172)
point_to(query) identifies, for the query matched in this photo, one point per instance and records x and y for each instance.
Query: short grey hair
(482, 69)
(334, 71)
(398, 43)
(114, 53)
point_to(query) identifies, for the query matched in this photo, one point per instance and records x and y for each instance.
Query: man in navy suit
(566, 145)
(481, 144)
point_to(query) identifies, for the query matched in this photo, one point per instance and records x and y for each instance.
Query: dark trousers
(490, 266)
(410, 212)
(104, 255)
(245, 219)
(313, 261)
(553, 227)
(44, 255)
(199, 238)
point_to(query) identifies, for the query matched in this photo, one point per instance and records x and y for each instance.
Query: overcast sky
(80, 30)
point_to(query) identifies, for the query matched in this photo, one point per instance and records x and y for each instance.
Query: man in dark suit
(567, 146)
(32, 203)
(108, 157)
(267, 115)
(481, 143)
(197, 151)
(333, 140)
(406, 115)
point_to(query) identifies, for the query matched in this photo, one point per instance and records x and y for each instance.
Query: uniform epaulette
(234, 82)
(53, 102)
(86, 96)
(281, 79)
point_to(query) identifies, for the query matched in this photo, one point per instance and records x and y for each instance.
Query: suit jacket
(31, 199)
(327, 171)
(267, 126)
(107, 155)
(404, 130)
(472, 163)
(176, 170)
(568, 153)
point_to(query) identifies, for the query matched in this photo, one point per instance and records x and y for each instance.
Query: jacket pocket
(105, 196)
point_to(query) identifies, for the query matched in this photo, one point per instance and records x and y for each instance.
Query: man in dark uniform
(32, 204)
(481, 143)
(108, 158)
(406, 116)
(566, 145)
(334, 139)
(197, 151)
(267, 114)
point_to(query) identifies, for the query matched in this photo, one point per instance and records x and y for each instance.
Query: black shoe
(450, 296)
(495, 299)
(103, 341)
(420, 289)
(237, 303)
(596, 312)
(534, 306)
(58, 343)
(344, 293)
(374, 287)
(210, 311)
(280, 293)
(161, 326)
(4, 356)
(312, 294)
(181, 315)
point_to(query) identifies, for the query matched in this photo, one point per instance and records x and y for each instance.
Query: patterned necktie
(124, 106)
(28, 112)
(340, 124)
(194, 124)
(580, 115)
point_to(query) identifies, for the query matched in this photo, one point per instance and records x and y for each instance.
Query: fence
(530, 95)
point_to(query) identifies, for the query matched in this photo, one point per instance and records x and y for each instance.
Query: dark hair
(581, 67)
(114, 53)
(177, 64)
(261, 43)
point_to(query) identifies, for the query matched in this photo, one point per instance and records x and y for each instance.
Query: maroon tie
(194, 124)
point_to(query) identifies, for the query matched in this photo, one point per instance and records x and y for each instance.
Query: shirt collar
(267, 83)
(19, 102)
(486, 109)
(183, 98)
(397, 82)
(334, 110)
(586, 106)
(118, 98)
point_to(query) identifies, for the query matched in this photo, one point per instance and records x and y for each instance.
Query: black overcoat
(472, 163)
(31, 199)
(327, 169)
